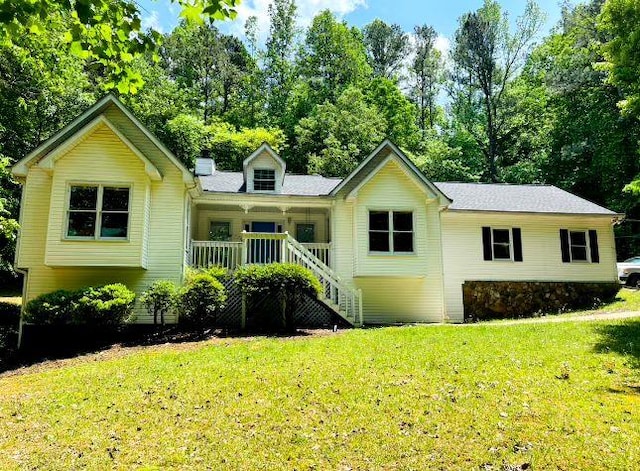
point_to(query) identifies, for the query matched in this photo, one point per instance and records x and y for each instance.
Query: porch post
(244, 249)
(283, 248)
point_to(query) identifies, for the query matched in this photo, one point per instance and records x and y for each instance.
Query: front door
(264, 250)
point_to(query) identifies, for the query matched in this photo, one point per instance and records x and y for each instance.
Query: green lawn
(555, 396)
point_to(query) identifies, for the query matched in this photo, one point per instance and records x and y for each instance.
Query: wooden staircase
(256, 247)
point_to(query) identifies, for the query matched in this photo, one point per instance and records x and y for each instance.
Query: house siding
(542, 258)
(396, 288)
(102, 158)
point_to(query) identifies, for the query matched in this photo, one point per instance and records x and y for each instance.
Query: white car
(629, 272)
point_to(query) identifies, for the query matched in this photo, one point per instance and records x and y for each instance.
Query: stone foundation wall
(514, 299)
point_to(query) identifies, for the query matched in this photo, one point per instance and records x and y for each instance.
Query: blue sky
(441, 14)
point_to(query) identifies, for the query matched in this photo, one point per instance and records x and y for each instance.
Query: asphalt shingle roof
(466, 196)
(517, 198)
(294, 185)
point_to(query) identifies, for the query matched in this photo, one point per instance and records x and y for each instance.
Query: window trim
(96, 237)
(511, 252)
(219, 221)
(587, 246)
(315, 235)
(255, 179)
(391, 231)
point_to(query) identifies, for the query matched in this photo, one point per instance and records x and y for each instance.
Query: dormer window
(264, 179)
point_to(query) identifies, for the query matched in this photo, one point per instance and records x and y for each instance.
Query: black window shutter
(564, 245)
(517, 244)
(593, 243)
(486, 243)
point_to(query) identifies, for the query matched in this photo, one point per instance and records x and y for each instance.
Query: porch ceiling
(228, 208)
(262, 202)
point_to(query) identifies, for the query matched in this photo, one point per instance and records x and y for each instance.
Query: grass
(553, 396)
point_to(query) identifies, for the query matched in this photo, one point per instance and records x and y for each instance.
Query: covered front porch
(229, 234)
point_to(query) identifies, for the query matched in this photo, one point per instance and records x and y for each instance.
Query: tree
(426, 77)
(621, 20)
(397, 111)
(331, 58)
(107, 32)
(337, 136)
(210, 65)
(487, 56)
(387, 47)
(278, 66)
(8, 224)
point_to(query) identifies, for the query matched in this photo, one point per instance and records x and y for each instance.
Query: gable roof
(293, 185)
(265, 147)
(546, 199)
(67, 133)
(369, 167)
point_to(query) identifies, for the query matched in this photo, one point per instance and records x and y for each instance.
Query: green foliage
(284, 280)
(108, 305)
(201, 299)
(440, 161)
(276, 277)
(332, 58)
(486, 58)
(338, 136)
(186, 135)
(105, 32)
(230, 147)
(426, 76)
(9, 314)
(278, 65)
(159, 299)
(396, 109)
(387, 47)
(55, 308)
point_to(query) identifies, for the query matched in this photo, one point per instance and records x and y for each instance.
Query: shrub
(201, 299)
(218, 272)
(159, 299)
(284, 280)
(105, 305)
(53, 308)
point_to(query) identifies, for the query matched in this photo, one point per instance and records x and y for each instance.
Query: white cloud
(306, 11)
(152, 20)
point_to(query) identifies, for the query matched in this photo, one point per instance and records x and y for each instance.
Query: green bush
(53, 308)
(218, 272)
(102, 305)
(160, 299)
(105, 305)
(201, 299)
(283, 280)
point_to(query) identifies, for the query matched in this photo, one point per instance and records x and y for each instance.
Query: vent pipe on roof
(205, 165)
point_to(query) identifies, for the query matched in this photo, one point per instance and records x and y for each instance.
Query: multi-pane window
(306, 233)
(97, 211)
(264, 179)
(391, 231)
(220, 230)
(578, 246)
(501, 244)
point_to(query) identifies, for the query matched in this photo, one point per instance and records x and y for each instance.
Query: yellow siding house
(104, 201)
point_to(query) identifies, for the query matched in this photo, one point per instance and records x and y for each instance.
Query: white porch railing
(205, 253)
(275, 247)
(320, 250)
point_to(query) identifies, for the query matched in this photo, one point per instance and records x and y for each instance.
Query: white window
(306, 232)
(264, 179)
(501, 244)
(579, 246)
(220, 230)
(391, 231)
(98, 212)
